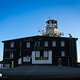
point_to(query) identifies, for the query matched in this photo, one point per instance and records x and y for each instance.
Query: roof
(37, 36)
(42, 72)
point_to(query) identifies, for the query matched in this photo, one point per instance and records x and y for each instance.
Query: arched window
(11, 54)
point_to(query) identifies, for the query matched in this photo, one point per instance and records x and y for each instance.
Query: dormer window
(12, 44)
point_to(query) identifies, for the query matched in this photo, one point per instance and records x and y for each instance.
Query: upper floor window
(12, 44)
(62, 43)
(46, 44)
(63, 53)
(53, 43)
(28, 44)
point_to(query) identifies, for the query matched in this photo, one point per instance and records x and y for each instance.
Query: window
(6, 66)
(26, 59)
(62, 43)
(12, 44)
(53, 43)
(46, 44)
(28, 44)
(63, 53)
(37, 53)
(11, 54)
(45, 53)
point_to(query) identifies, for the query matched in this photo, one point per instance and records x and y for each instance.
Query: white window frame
(62, 43)
(53, 43)
(46, 43)
(12, 44)
(63, 53)
(28, 44)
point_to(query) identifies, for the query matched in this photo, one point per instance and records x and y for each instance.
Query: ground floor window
(46, 54)
(6, 65)
(37, 54)
(41, 55)
(26, 59)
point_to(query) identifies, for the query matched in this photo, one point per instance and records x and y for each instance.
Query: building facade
(48, 48)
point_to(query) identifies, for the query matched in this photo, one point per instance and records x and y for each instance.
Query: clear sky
(22, 18)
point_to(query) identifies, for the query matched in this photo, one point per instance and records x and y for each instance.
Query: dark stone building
(48, 48)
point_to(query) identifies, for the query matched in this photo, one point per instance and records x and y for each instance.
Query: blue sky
(22, 18)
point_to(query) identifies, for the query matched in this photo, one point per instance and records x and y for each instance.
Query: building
(49, 48)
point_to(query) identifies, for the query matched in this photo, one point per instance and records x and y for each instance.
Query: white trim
(49, 61)
(20, 61)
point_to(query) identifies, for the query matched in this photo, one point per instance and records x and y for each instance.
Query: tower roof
(51, 20)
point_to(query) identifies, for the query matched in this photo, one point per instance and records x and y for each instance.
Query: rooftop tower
(51, 29)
